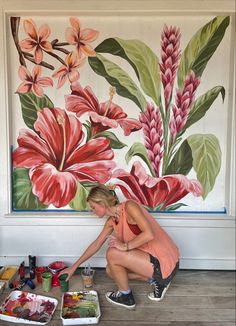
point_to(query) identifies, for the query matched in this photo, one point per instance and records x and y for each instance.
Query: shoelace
(156, 289)
(116, 294)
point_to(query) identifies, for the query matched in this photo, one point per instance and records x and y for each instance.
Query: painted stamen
(61, 122)
(112, 92)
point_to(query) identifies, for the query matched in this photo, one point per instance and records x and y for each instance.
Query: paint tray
(27, 308)
(80, 308)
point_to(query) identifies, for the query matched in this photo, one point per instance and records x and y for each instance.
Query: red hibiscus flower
(56, 158)
(151, 191)
(103, 116)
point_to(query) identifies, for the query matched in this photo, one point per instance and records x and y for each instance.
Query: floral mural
(66, 148)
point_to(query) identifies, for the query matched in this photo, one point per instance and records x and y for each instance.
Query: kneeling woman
(138, 247)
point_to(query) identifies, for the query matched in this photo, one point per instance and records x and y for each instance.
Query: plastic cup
(47, 281)
(87, 277)
(64, 285)
(39, 271)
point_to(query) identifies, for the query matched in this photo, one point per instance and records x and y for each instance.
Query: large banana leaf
(118, 78)
(202, 104)
(138, 149)
(201, 48)
(182, 161)
(31, 104)
(143, 60)
(79, 202)
(206, 154)
(23, 198)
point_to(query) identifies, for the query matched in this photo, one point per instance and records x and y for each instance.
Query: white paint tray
(22, 307)
(80, 308)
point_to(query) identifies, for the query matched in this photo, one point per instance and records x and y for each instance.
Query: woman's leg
(131, 276)
(121, 263)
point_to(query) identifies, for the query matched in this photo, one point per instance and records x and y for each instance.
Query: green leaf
(201, 48)
(118, 78)
(206, 154)
(138, 149)
(23, 198)
(114, 141)
(182, 161)
(174, 207)
(202, 104)
(143, 60)
(79, 202)
(31, 104)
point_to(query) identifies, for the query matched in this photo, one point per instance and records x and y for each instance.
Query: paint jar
(47, 281)
(22, 270)
(55, 268)
(64, 285)
(87, 277)
(39, 271)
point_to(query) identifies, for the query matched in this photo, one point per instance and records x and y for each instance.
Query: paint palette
(8, 274)
(80, 308)
(27, 308)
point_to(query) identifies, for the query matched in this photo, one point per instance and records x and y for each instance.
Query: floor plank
(195, 298)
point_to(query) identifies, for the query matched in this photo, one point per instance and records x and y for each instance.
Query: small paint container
(87, 277)
(64, 285)
(47, 281)
(30, 283)
(39, 271)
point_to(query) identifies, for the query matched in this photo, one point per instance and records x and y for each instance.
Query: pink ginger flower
(152, 129)
(37, 39)
(69, 70)
(183, 104)
(81, 37)
(33, 83)
(170, 54)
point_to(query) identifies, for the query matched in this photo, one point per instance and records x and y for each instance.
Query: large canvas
(139, 103)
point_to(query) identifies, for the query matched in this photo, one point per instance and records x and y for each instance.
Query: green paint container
(64, 285)
(47, 281)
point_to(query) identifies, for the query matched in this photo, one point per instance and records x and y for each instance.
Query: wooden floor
(195, 298)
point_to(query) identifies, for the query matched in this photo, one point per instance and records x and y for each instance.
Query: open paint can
(55, 269)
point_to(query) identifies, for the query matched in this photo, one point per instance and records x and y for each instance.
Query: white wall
(205, 241)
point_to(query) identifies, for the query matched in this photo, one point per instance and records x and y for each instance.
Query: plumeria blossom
(57, 160)
(81, 37)
(151, 191)
(103, 116)
(69, 70)
(33, 83)
(37, 40)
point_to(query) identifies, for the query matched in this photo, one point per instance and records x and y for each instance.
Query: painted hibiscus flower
(81, 37)
(103, 116)
(33, 83)
(56, 158)
(69, 70)
(37, 40)
(155, 192)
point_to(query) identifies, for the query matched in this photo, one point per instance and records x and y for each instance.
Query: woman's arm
(91, 250)
(135, 215)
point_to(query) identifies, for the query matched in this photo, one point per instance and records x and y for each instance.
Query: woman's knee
(112, 254)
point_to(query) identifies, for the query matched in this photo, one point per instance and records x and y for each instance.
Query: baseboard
(185, 263)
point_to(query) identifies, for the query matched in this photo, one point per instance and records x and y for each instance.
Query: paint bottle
(18, 284)
(22, 270)
(30, 283)
(32, 266)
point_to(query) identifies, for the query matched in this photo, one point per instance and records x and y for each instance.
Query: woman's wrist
(126, 246)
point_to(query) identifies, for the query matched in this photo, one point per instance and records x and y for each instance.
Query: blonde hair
(102, 194)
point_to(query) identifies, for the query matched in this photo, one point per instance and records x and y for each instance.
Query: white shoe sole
(151, 295)
(117, 303)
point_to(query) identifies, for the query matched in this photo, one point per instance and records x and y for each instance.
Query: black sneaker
(159, 291)
(120, 299)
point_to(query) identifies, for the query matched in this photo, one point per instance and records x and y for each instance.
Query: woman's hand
(69, 270)
(113, 242)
